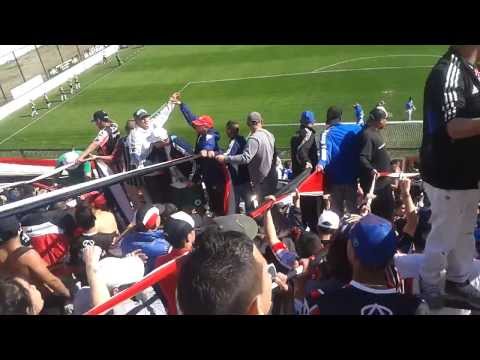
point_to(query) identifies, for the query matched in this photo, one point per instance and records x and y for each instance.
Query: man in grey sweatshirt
(259, 155)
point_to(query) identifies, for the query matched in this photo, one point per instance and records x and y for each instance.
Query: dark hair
(333, 113)
(308, 244)
(14, 298)
(338, 266)
(220, 276)
(84, 215)
(176, 232)
(231, 124)
(169, 210)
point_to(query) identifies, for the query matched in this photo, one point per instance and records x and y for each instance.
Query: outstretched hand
(175, 98)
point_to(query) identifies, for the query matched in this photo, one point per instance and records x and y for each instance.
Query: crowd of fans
(357, 250)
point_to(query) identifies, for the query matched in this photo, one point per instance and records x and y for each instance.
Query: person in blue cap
(370, 248)
(302, 144)
(359, 114)
(304, 155)
(338, 155)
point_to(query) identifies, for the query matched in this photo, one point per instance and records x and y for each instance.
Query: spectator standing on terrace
(238, 173)
(374, 159)
(215, 175)
(260, 156)
(338, 156)
(104, 142)
(451, 173)
(304, 156)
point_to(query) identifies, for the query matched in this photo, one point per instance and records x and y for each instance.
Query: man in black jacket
(451, 172)
(374, 159)
(238, 173)
(304, 155)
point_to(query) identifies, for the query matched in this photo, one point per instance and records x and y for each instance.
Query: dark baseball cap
(237, 222)
(140, 114)
(9, 227)
(100, 115)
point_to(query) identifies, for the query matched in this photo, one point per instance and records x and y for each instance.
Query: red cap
(203, 120)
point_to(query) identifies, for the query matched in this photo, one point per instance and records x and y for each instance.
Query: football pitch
(227, 82)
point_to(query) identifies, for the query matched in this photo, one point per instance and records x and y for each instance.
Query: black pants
(309, 207)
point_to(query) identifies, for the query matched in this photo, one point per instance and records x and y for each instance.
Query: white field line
(308, 73)
(371, 58)
(347, 122)
(64, 102)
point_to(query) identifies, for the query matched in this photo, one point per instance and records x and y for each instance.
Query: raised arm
(411, 211)
(39, 267)
(324, 151)
(160, 118)
(98, 289)
(187, 114)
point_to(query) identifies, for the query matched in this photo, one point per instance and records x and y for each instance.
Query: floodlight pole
(41, 62)
(60, 53)
(19, 67)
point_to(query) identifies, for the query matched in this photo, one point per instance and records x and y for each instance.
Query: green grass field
(345, 75)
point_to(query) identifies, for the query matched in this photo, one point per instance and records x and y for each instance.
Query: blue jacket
(152, 244)
(209, 141)
(339, 152)
(210, 169)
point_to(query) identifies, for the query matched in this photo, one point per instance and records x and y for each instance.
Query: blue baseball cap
(307, 117)
(374, 241)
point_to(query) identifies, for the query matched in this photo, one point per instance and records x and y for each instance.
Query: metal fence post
(41, 62)
(19, 67)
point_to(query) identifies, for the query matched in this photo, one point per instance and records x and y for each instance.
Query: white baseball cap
(329, 220)
(181, 215)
